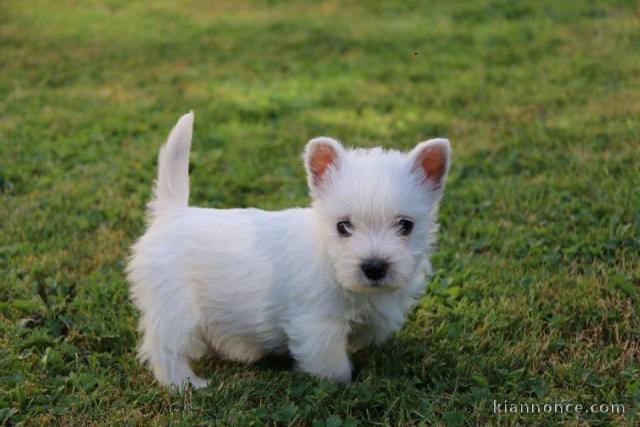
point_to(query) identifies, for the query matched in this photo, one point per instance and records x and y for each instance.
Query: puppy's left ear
(430, 160)
(322, 156)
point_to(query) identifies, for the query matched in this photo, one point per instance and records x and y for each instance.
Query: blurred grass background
(536, 292)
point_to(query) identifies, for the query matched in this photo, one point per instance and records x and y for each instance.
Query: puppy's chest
(371, 313)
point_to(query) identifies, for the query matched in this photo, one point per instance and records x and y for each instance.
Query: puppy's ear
(321, 155)
(430, 160)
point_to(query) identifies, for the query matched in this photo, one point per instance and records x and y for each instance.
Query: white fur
(246, 282)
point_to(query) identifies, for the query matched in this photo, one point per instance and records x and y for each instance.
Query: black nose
(374, 268)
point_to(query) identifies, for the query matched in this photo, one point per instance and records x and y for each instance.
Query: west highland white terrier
(317, 282)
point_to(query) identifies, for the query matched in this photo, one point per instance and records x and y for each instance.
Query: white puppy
(317, 282)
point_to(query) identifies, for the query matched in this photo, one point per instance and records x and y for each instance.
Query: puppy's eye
(404, 226)
(344, 228)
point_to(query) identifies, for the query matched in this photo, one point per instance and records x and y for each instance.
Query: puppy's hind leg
(174, 369)
(171, 339)
(240, 350)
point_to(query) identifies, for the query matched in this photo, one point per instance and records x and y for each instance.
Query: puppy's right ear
(321, 156)
(431, 159)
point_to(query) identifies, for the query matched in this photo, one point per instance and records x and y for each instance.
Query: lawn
(536, 291)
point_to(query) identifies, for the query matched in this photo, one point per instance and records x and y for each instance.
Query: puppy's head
(376, 210)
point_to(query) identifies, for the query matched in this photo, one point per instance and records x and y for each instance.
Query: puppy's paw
(339, 371)
(198, 383)
(344, 378)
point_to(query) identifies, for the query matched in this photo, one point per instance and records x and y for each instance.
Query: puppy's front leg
(361, 336)
(364, 335)
(320, 348)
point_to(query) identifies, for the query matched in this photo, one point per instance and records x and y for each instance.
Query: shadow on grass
(404, 359)
(276, 363)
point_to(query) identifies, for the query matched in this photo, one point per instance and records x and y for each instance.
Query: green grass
(537, 284)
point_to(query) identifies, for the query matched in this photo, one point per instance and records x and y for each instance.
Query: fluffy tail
(171, 189)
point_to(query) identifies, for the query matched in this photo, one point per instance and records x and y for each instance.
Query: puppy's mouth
(368, 286)
(378, 283)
